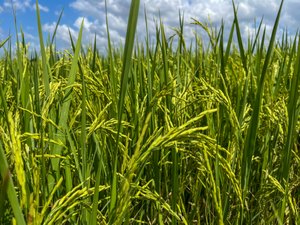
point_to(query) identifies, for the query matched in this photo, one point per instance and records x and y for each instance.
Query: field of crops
(152, 134)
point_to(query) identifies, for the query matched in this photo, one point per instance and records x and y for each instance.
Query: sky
(93, 12)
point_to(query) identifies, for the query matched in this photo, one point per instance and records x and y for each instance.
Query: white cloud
(90, 28)
(17, 4)
(23, 5)
(88, 7)
(41, 7)
(87, 24)
(62, 31)
(212, 11)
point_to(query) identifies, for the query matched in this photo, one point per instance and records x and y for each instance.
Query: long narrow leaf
(11, 193)
(129, 42)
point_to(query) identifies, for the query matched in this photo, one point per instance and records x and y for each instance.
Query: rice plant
(169, 133)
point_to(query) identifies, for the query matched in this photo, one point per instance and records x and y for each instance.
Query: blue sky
(94, 13)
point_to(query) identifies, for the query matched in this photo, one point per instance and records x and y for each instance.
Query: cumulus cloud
(86, 23)
(63, 31)
(41, 7)
(18, 5)
(88, 7)
(210, 11)
(23, 5)
(90, 28)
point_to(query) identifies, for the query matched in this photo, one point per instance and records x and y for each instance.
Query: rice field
(170, 133)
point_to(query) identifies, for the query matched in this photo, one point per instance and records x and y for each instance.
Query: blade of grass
(53, 51)
(56, 26)
(64, 113)
(93, 216)
(3, 42)
(93, 65)
(293, 115)
(11, 193)
(46, 75)
(249, 145)
(112, 74)
(257, 36)
(19, 69)
(241, 107)
(3, 193)
(46, 82)
(129, 42)
(240, 38)
(292, 118)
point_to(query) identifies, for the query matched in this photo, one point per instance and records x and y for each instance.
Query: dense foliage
(168, 135)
